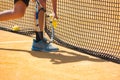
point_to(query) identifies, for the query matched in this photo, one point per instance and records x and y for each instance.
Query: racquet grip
(54, 22)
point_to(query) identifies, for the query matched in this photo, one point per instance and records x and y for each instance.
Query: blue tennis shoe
(43, 46)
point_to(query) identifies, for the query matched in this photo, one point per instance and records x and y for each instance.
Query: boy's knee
(18, 14)
(21, 14)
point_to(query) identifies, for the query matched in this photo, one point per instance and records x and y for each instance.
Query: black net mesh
(89, 26)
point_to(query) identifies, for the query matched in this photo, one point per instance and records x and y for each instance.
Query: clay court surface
(18, 62)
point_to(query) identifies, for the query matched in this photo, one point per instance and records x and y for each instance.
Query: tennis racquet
(53, 25)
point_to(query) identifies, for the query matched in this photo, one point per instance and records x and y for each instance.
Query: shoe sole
(43, 50)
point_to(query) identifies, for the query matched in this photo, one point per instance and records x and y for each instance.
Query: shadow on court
(59, 57)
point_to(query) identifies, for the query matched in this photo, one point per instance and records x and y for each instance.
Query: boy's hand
(55, 15)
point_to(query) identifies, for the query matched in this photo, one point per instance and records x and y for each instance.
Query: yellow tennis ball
(16, 28)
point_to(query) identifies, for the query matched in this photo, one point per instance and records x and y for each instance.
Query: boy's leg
(17, 12)
(41, 12)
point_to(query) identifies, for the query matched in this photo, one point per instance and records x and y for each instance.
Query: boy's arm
(54, 5)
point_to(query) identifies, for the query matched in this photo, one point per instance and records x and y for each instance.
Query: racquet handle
(54, 22)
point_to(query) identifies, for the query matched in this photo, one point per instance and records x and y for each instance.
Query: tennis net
(89, 26)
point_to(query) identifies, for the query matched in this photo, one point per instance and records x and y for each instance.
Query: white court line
(9, 42)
